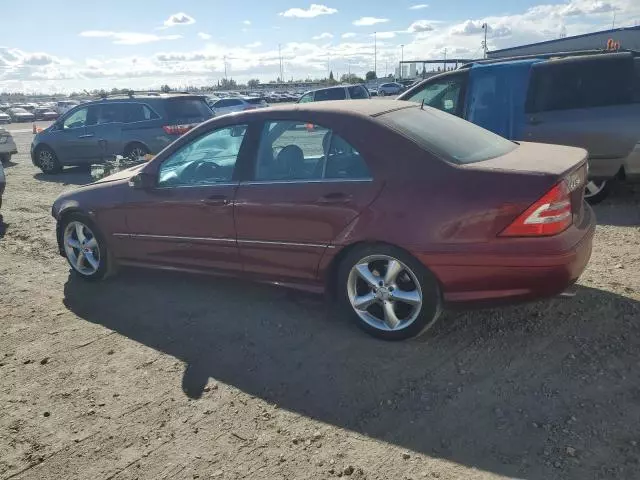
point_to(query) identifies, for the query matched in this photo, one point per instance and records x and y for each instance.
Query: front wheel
(389, 293)
(135, 151)
(381, 93)
(85, 248)
(596, 191)
(48, 161)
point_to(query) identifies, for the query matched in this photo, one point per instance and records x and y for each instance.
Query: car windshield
(448, 136)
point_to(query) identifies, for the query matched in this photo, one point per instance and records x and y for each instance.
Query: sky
(70, 45)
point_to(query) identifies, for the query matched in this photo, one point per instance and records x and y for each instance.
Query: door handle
(88, 135)
(534, 121)
(334, 198)
(215, 200)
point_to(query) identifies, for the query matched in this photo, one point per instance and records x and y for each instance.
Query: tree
(253, 83)
(351, 78)
(424, 71)
(371, 75)
(331, 79)
(165, 88)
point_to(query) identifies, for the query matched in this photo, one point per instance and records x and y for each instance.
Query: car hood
(125, 174)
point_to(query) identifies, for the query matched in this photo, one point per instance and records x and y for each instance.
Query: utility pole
(613, 23)
(375, 53)
(280, 56)
(401, 59)
(225, 67)
(485, 27)
(445, 59)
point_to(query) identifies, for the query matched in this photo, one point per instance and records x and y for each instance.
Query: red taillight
(178, 129)
(548, 216)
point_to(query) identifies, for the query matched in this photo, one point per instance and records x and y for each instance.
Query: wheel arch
(62, 216)
(132, 143)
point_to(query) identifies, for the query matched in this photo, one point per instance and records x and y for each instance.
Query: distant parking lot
(162, 375)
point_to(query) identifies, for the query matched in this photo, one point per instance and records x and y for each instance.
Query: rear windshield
(448, 136)
(255, 101)
(188, 109)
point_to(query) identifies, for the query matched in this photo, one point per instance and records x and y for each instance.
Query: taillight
(550, 215)
(178, 129)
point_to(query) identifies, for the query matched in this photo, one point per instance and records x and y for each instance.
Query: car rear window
(330, 94)
(188, 109)
(255, 101)
(448, 136)
(358, 92)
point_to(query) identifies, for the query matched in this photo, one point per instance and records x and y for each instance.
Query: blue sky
(74, 45)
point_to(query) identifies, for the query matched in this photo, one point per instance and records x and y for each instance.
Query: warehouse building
(627, 38)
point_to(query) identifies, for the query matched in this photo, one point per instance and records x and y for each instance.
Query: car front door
(104, 131)
(306, 186)
(70, 139)
(186, 219)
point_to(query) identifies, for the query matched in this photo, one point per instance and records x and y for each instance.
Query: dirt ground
(168, 376)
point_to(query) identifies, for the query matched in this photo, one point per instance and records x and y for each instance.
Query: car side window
(138, 112)
(307, 97)
(330, 94)
(357, 92)
(207, 160)
(76, 120)
(584, 83)
(293, 150)
(108, 113)
(444, 94)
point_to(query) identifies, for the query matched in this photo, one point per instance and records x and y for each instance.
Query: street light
(401, 59)
(375, 53)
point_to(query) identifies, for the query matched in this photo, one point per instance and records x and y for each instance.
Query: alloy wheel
(384, 293)
(46, 160)
(81, 248)
(594, 187)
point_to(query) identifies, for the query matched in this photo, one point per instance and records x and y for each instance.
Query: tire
(47, 160)
(5, 158)
(135, 150)
(596, 191)
(414, 281)
(93, 243)
(381, 93)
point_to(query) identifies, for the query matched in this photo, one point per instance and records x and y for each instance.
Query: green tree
(253, 83)
(331, 79)
(351, 78)
(371, 75)
(165, 88)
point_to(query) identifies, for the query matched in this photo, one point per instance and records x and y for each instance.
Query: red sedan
(400, 210)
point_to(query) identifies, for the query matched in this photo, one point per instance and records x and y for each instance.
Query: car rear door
(307, 184)
(585, 102)
(104, 131)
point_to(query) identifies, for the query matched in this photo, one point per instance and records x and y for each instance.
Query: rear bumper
(493, 280)
(604, 168)
(632, 165)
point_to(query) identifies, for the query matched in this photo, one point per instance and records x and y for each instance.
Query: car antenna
(422, 104)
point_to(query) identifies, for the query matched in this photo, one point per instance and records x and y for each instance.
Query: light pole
(375, 53)
(280, 56)
(225, 67)
(485, 27)
(401, 59)
(445, 59)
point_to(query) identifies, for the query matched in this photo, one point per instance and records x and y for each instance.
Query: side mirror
(142, 181)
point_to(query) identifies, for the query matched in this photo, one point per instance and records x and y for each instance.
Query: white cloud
(323, 36)
(204, 36)
(180, 18)
(420, 26)
(348, 35)
(247, 22)
(367, 21)
(384, 35)
(254, 45)
(420, 6)
(313, 11)
(128, 38)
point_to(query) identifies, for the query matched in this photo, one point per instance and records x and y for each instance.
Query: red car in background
(398, 209)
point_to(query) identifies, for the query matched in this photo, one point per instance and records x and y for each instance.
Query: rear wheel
(388, 293)
(381, 93)
(596, 191)
(47, 160)
(135, 151)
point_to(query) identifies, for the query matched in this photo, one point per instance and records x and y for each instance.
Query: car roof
(358, 108)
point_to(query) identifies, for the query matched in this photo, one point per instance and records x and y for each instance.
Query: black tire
(135, 150)
(5, 158)
(381, 93)
(106, 266)
(430, 309)
(604, 187)
(47, 160)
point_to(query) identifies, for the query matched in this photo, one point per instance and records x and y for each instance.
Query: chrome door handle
(215, 200)
(335, 198)
(88, 135)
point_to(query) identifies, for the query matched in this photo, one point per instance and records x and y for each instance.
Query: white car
(4, 118)
(7, 146)
(230, 105)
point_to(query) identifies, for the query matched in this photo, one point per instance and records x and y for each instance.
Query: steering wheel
(199, 170)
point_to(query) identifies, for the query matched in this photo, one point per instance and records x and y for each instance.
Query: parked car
(318, 198)
(373, 92)
(392, 88)
(341, 92)
(4, 118)
(44, 113)
(7, 146)
(230, 105)
(588, 100)
(132, 126)
(18, 114)
(63, 106)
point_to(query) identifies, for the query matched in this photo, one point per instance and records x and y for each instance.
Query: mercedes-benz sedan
(398, 210)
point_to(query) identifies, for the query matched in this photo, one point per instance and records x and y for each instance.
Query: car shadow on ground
(622, 207)
(544, 390)
(69, 176)
(3, 227)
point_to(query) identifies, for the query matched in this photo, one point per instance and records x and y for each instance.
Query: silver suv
(586, 99)
(341, 92)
